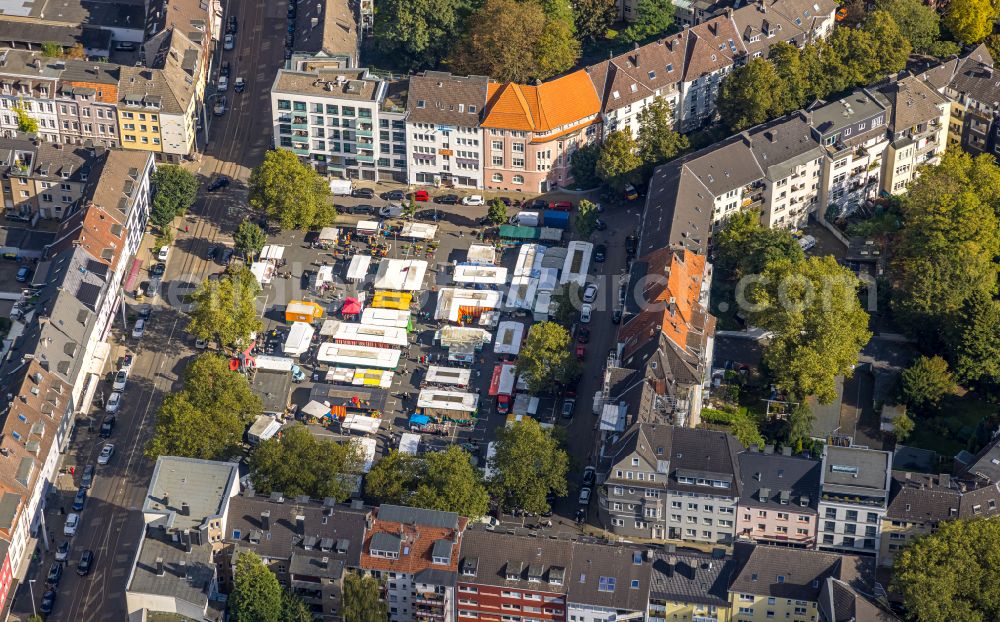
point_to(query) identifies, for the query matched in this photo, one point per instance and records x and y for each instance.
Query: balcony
(365, 158)
(300, 151)
(365, 133)
(298, 138)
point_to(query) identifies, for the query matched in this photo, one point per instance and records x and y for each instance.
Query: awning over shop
(133, 275)
(316, 409)
(351, 307)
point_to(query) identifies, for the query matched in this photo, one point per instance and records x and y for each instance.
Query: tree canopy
(952, 574)
(257, 595)
(527, 466)
(818, 327)
(657, 140)
(918, 22)
(745, 247)
(443, 480)
(362, 600)
(175, 190)
(583, 165)
(518, 40)
(585, 221)
(593, 18)
(975, 340)
(619, 163)
(249, 239)
(417, 32)
(497, 212)
(926, 381)
(654, 18)
(207, 417)
(296, 463)
(225, 309)
(750, 95)
(545, 358)
(970, 21)
(291, 192)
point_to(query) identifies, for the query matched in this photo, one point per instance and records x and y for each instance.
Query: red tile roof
(564, 101)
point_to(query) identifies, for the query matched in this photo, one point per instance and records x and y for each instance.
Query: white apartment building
(854, 495)
(919, 131)
(345, 122)
(443, 134)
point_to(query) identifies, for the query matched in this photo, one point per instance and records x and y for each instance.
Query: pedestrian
(186, 229)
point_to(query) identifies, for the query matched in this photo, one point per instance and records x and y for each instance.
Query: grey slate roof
(435, 95)
(328, 530)
(335, 32)
(487, 556)
(187, 576)
(785, 572)
(840, 603)
(418, 516)
(854, 468)
(913, 102)
(594, 568)
(699, 579)
(796, 476)
(386, 542)
(985, 466)
(704, 453)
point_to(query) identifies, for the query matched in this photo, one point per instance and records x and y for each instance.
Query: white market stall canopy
(368, 227)
(529, 260)
(299, 338)
(266, 362)
(358, 268)
(360, 377)
(521, 293)
(418, 231)
(409, 443)
(448, 400)
(324, 275)
(480, 275)
(385, 317)
(451, 336)
(509, 336)
(454, 302)
(367, 448)
(453, 376)
(360, 423)
(548, 279)
(358, 356)
(577, 263)
(482, 254)
(401, 274)
(316, 409)
(263, 271)
(329, 234)
(368, 335)
(272, 252)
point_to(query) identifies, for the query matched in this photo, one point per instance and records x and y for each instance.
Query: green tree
(362, 600)
(945, 252)
(293, 609)
(564, 312)
(448, 482)
(25, 122)
(497, 212)
(744, 246)
(846, 59)
(746, 431)
(558, 49)
(818, 327)
(800, 422)
(417, 32)
(297, 463)
(583, 165)
(226, 309)
(207, 418)
(545, 357)
(52, 50)
(944, 49)
(249, 239)
(750, 95)
(619, 162)
(970, 21)
(919, 23)
(393, 478)
(174, 191)
(976, 345)
(657, 140)
(527, 466)
(655, 18)
(948, 575)
(585, 221)
(925, 382)
(794, 74)
(593, 18)
(891, 48)
(290, 191)
(257, 595)
(902, 427)
(410, 210)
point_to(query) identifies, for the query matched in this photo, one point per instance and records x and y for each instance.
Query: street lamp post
(31, 590)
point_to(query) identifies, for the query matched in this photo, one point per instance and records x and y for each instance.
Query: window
(498, 160)
(518, 179)
(519, 148)
(635, 584)
(497, 177)
(606, 584)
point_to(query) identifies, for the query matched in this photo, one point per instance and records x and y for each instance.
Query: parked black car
(363, 193)
(107, 426)
(86, 561)
(220, 182)
(447, 199)
(363, 209)
(48, 602)
(55, 574)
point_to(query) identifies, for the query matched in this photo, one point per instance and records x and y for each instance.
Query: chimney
(159, 566)
(945, 480)
(185, 509)
(326, 562)
(265, 520)
(671, 564)
(182, 569)
(300, 525)
(166, 499)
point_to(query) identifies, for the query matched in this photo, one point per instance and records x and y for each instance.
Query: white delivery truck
(525, 219)
(340, 187)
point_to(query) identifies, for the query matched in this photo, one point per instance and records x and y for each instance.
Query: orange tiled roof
(541, 108)
(419, 538)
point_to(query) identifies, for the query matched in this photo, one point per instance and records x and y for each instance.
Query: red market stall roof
(351, 306)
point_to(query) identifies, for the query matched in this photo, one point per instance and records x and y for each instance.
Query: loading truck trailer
(545, 218)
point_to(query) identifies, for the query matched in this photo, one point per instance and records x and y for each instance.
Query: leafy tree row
(174, 191)
(290, 191)
(792, 77)
(443, 480)
(224, 310)
(297, 463)
(207, 417)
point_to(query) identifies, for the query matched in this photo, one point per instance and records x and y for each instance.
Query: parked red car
(421, 195)
(562, 206)
(581, 351)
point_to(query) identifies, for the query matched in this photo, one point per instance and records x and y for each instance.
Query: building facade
(43, 180)
(854, 496)
(533, 131)
(443, 135)
(779, 498)
(341, 122)
(919, 132)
